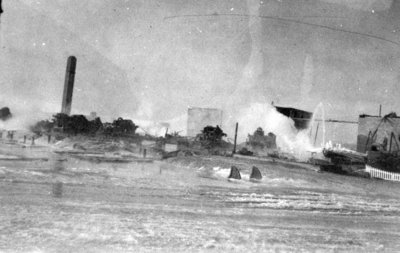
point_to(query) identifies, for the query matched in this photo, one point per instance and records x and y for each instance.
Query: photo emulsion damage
(199, 126)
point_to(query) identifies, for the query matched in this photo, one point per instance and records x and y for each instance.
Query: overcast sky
(152, 58)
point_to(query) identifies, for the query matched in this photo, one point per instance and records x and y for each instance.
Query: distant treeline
(79, 124)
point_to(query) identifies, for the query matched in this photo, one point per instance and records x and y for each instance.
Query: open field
(69, 205)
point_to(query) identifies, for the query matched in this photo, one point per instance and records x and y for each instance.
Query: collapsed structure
(378, 132)
(379, 137)
(259, 140)
(378, 149)
(210, 136)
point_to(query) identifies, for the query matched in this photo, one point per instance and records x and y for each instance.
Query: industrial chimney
(68, 85)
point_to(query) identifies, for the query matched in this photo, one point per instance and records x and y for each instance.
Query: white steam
(289, 139)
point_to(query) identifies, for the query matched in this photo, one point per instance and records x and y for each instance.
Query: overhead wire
(289, 20)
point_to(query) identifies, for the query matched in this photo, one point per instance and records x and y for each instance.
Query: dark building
(301, 118)
(373, 130)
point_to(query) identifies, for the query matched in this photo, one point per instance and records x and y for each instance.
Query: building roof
(287, 110)
(301, 118)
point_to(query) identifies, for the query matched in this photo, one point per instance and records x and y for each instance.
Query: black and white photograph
(199, 126)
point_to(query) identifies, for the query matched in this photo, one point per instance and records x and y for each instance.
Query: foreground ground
(184, 205)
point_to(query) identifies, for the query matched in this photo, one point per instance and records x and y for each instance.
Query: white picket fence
(382, 174)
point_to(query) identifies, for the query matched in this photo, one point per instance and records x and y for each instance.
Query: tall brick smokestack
(68, 85)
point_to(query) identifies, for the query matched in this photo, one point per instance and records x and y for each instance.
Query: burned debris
(260, 141)
(210, 137)
(76, 124)
(63, 123)
(259, 144)
(245, 151)
(343, 161)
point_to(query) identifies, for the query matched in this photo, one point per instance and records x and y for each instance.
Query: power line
(288, 20)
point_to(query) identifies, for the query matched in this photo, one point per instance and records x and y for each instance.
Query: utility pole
(234, 144)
